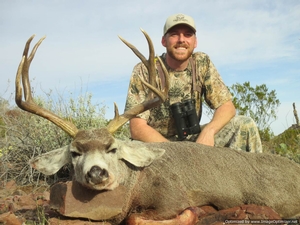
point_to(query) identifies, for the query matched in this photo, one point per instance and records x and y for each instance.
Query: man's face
(180, 42)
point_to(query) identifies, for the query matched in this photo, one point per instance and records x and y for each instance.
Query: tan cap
(179, 19)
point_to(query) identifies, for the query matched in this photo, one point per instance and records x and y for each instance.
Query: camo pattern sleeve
(137, 92)
(215, 91)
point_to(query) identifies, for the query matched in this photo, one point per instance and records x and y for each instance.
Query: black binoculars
(186, 121)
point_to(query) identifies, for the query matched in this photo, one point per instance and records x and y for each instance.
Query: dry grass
(25, 136)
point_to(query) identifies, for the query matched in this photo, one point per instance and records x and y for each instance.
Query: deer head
(95, 154)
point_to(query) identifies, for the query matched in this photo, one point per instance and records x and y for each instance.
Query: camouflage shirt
(210, 87)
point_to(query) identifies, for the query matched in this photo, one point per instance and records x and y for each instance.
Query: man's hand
(221, 117)
(206, 137)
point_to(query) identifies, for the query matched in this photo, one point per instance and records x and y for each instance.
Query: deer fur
(163, 179)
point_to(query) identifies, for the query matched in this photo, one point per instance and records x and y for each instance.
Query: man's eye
(188, 34)
(173, 34)
(75, 154)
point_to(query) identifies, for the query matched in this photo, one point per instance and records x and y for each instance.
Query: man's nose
(181, 37)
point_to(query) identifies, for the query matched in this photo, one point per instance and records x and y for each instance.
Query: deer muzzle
(96, 175)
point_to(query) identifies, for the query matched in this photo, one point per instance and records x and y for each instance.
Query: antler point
(116, 111)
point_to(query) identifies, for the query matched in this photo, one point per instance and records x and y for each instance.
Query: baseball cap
(179, 19)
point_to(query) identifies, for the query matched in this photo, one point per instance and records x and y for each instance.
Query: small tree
(258, 103)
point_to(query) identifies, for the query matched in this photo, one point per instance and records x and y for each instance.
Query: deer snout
(96, 175)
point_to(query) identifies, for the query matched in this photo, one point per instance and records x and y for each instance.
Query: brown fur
(163, 179)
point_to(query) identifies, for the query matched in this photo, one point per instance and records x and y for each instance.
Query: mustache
(181, 45)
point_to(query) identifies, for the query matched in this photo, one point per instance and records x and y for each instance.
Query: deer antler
(120, 120)
(29, 105)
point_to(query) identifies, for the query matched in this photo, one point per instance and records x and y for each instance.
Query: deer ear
(50, 162)
(138, 154)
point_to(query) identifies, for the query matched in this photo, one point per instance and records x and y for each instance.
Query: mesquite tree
(258, 103)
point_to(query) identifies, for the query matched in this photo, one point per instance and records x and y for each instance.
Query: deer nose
(96, 175)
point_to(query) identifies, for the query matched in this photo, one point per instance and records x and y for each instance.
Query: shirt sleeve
(137, 93)
(216, 92)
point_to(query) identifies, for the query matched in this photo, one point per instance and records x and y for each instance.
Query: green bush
(288, 144)
(258, 103)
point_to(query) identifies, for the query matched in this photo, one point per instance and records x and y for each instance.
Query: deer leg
(187, 217)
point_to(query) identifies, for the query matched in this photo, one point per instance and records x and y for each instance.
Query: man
(192, 76)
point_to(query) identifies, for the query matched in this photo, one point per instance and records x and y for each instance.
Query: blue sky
(247, 40)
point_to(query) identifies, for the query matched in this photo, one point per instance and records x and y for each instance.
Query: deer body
(163, 179)
(189, 174)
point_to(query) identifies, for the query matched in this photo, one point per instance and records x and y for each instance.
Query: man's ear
(138, 154)
(50, 162)
(196, 42)
(163, 41)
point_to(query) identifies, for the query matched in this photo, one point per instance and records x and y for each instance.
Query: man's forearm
(141, 131)
(221, 117)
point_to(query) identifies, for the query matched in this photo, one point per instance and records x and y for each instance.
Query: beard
(180, 55)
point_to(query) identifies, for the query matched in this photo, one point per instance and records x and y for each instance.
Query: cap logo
(180, 17)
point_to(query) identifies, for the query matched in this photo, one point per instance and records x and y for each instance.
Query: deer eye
(112, 150)
(75, 154)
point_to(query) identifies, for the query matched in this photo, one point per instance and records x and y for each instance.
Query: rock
(7, 189)
(55, 221)
(73, 200)
(10, 219)
(24, 202)
(11, 185)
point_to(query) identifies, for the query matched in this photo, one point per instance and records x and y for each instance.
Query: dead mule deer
(163, 179)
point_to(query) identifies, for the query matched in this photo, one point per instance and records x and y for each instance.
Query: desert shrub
(288, 144)
(258, 103)
(3, 108)
(2, 127)
(28, 135)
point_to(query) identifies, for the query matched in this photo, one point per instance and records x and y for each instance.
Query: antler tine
(29, 105)
(150, 65)
(25, 79)
(120, 120)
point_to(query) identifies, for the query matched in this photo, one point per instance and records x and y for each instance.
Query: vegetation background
(24, 136)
